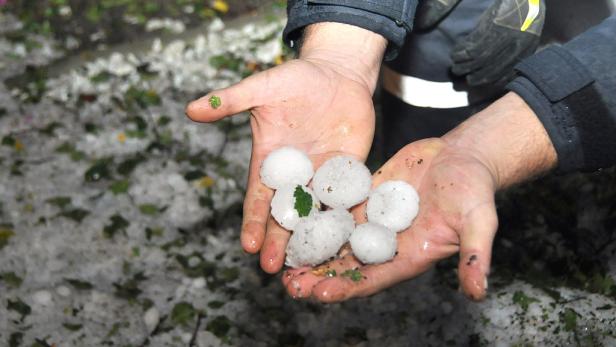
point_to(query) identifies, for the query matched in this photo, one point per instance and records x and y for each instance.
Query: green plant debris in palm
(355, 275)
(215, 101)
(303, 201)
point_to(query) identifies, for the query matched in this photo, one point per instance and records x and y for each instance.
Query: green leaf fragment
(215, 304)
(72, 327)
(119, 187)
(19, 307)
(355, 275)
(8, 141)
(219, 326)
(303, 201)
(215, 101)
(129, 289)
(183, 313)
(16, 339)
(60, 201)
(149, 232)
(98, 171)
(523, 300)
(126, 167)
(76, 214)
(79, 284)
(73, 153)
(569, 318)
(228, 274)
(118, 223)
(149, 209)
(5, 235)
(11, 279)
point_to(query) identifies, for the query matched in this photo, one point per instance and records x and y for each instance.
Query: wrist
(509, 139)
(351, 50)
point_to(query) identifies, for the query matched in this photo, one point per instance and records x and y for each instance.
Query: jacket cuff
(561, 92)
(393, 19)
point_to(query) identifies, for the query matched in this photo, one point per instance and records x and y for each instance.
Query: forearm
(571, 88)
(356, 52)
(508, 138)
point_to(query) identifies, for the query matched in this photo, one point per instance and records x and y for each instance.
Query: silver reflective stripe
(422, 93)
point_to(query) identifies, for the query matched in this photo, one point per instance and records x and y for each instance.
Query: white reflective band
(422, 93)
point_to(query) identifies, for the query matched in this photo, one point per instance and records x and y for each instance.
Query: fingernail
(485, 283)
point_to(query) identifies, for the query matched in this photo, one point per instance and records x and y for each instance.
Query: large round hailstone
(393, 204)
(290, 203)
(318, 237)
(373, 243)
(286, 166)
(342, 182)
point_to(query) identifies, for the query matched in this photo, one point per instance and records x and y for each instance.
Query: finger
(373, 278)
(300, 282)
(226, 102)
(273, 251)
(476, 239)
(256, 208)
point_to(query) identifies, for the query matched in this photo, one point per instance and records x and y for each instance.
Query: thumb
(476, 240)
(226, 102)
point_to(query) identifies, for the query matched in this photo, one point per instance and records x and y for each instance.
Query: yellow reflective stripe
(533, 12)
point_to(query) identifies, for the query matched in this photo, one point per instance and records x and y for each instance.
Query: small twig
(193, 340)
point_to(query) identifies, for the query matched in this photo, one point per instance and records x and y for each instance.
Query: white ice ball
(393, 204)
(342, 182)
(286, 166)
(283, 205)
(373, 243)
(318, 237)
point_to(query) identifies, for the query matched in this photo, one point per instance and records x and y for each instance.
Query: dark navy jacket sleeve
(572, 89)
(391, 18)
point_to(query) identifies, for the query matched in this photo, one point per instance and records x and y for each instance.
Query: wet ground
(119, 218)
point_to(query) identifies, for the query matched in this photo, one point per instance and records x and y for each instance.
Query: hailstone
(318, 237)
(342, 182)
(373, 243)
(286, 166)
(393, 204)
(292, 202)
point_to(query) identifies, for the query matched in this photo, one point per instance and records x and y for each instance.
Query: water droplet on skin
(298, 289)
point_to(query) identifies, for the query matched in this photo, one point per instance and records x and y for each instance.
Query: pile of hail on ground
(340, 183)
(117, 221)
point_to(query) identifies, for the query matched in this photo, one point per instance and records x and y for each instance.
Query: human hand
(456, 178)
(507, 32)
(320, 103)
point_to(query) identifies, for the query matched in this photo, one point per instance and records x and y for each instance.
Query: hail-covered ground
(119, 221)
